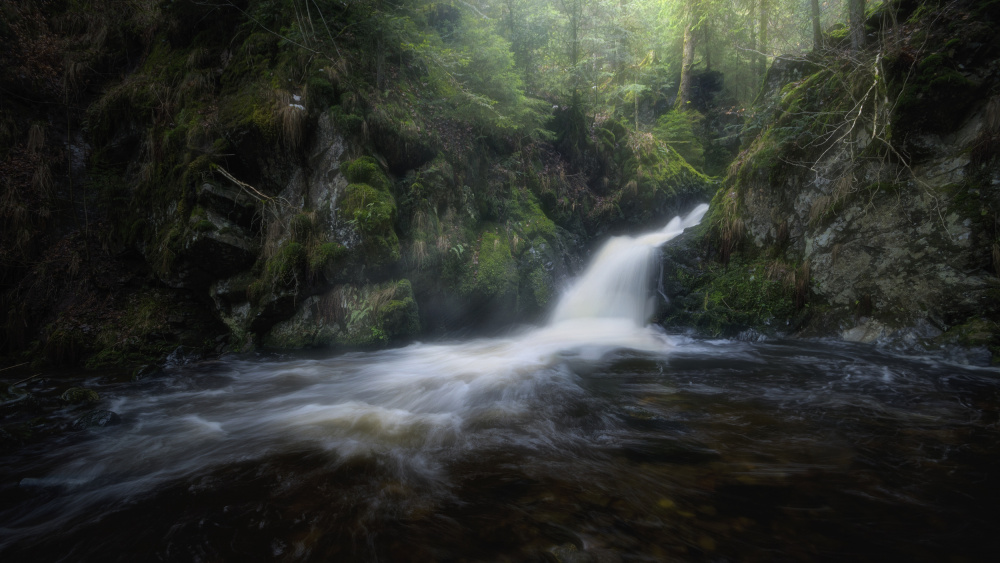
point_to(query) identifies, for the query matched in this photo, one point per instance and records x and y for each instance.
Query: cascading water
(404, 403)
(593, 437)
(616, 283)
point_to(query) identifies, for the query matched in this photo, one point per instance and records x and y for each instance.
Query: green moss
(495, 274)
(540, 284)
(250, 109)
(320, 93)
(365, 170)
(678, 129)
(140, 334)
(373, 214)
(347, 122)
(286, 263)
(257, 290)
(933, 96)
(302, 227)
(725, 300)
(399, 317)
(839, 32)
(367, 315)
(75, 395)
(324, 254)
(973, 333)
(205, 226)
(528, 219)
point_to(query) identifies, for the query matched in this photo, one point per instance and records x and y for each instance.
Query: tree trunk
(708, 45)
(574, 48)
(817, 31)
(687, 62)
(765, 6)
(857, 17)
(753, 40)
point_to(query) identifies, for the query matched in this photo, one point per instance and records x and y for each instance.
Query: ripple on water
(516, 448)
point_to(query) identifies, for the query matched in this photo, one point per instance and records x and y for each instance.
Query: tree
(763, 24)
(857, 22)
(817, 30)
(687, 56)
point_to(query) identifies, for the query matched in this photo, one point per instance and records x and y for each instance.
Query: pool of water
(562, 444)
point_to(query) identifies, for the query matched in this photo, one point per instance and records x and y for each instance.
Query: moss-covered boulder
(350, 316)
(76, 395)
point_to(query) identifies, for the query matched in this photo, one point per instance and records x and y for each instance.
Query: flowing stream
(593, 438)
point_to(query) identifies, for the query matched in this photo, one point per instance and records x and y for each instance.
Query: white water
(411, 405)
(616, 284)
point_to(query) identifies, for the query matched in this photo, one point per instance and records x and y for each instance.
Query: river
(593, 438)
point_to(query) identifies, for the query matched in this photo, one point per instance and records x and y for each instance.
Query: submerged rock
(75, 395)
(568, 553)
(99, 418)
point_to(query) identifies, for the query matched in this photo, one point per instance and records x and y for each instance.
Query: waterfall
(616, 283)
(405, 406)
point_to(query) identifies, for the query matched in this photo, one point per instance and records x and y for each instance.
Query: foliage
(727, 299)
(679, 130)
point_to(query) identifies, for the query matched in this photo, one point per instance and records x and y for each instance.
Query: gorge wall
(191, 178)
(866, 201)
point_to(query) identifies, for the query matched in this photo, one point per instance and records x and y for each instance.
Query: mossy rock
(365, 170)
(75, 395)
(494, 276)
(351, 316)
(975, 333)
(399, 318)
(323, 256)
(372, 213)
(283, 269)
(933, 97)
(724, 300)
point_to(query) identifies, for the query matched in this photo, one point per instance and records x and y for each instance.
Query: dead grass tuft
(418, 253)
(41, 180)
(730, 225)
(36, 138)
(826, 205)
(802, 279)
(291, 117)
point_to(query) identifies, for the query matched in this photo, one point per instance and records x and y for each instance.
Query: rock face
(903, 243)
(332, 261)
(877, 225)
(226, 188)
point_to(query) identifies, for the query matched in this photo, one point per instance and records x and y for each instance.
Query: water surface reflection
(620, 444)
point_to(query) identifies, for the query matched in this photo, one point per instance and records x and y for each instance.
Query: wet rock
(230, 202)
(96, 418)
(218, 246)
(75, 395)
(568, 553)
(142, 372)
(350, 315)
(7, 439)
(867, 332)
(785, 70)
(326, 181)
(19, 401)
